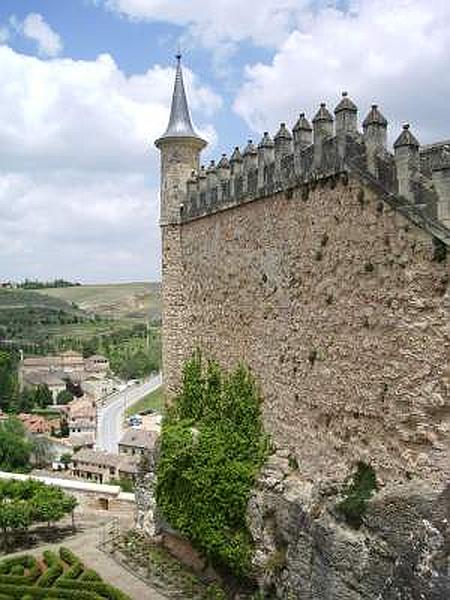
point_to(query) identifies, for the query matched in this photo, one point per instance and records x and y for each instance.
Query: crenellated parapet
(326, 147)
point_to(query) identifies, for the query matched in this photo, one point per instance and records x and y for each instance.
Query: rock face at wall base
(305, 551)
(145, 501)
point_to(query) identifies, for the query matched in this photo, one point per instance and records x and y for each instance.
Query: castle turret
(180, 148)
(283, 147)
(406, 149)
(250, 167)
(375, 137)
(302, 132)
(265, 158)
(323, 129)
(346, 114)
(223, 173)
(236, 161)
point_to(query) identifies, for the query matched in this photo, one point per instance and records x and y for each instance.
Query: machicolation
(413, 179)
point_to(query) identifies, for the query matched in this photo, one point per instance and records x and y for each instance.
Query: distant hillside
(18, 299)
(55, 319)
(31, 317)
(120, 301)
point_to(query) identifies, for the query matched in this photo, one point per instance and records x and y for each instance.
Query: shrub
(212, 446)
(90, 575)
(68, 556)
(17, 592)
(17, 570)
(50, 558)
(49, 576)
(26, 561)
(73, 573)
(357, 494)
(104, 590)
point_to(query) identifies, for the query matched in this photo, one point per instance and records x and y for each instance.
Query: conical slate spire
(180, 124)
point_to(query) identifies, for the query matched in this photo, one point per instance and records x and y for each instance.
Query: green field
(120, 321)
(154, 400)
(119, 301)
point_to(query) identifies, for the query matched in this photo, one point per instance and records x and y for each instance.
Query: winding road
(110, 416)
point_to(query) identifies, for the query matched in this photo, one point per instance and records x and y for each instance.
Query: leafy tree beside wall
(8, 380)
(212, 447)
(15, 448)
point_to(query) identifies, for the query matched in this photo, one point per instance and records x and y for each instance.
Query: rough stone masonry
(320, 259)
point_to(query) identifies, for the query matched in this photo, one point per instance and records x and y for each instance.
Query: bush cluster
(212, 447)
(357, 494)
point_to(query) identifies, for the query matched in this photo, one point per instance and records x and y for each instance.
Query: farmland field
(122, 300)
(120, 321)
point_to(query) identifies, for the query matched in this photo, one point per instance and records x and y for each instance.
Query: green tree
(212, 446)
(66, 459)
(42, 451)
(64, 397)
(43, 396)
(25, 502)
(15, 448)
(8, 380)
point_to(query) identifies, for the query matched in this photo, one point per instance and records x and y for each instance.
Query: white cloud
(78, 170)
(96, 228)
(220, 21)
(86, 114)
(35, 28)
(394, 53)
(4, 34)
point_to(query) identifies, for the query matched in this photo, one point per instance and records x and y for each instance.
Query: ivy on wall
(212, 447)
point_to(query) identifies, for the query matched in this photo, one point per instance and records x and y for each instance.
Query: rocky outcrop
(305, 551)
(144, 492)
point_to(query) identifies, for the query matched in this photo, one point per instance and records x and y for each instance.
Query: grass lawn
(153, 400)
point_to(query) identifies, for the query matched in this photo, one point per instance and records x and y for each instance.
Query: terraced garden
(61, 576)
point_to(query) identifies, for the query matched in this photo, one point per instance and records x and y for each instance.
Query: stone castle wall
(340, 306)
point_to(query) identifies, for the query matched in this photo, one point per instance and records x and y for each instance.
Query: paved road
(110, 416)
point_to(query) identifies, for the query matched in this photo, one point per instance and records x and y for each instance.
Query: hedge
(106, 591)
(68, 556)
(50, 558)
(17, 592)
(90, 575)
(49, 576)
(73, 573)
(15, 579)
(25, 560)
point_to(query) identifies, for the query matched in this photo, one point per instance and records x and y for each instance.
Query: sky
(85, 88)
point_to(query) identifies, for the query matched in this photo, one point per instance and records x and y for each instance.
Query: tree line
(35, 284)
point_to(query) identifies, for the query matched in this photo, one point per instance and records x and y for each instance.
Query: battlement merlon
(418, 177)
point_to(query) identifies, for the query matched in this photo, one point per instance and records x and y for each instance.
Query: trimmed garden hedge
(65, 578)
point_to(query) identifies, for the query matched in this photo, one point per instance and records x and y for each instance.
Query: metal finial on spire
(180, 124)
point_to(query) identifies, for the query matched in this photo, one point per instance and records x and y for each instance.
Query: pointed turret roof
(406, 138)
(250, 149)
(345, 104)
(375, 118)
(266, 141)
(236, 156)
(224, 162)
(180, 124)
(323, 114)
(302, 124)
(283, 133)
